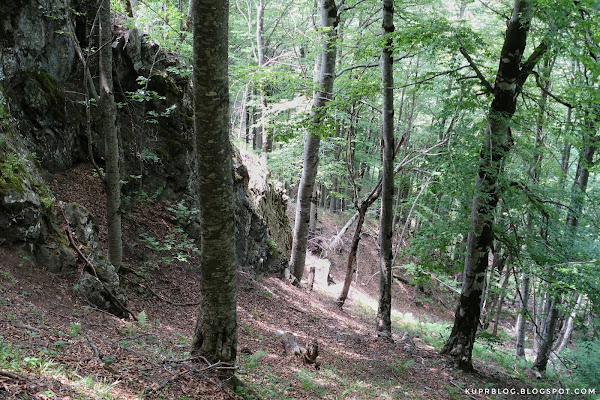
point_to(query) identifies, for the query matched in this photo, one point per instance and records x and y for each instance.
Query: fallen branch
(90, 265)
(220, 365)
(336, 241)
(29, 327)
(93, 346)
(12, 375)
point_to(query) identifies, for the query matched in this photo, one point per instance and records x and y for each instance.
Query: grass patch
(13, 359)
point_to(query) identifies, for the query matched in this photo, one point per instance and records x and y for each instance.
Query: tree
(386, 221)
(108, 111)
(498, 141)
(586, 159)
(215, 336)
(329, 22)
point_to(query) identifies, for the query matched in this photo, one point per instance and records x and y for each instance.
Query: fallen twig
(93, 346)
(12, 375)
(92, 267)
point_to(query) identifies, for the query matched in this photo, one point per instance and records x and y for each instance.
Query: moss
(51, 91)
(11, 172)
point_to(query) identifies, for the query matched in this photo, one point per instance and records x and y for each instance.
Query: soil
(41, 314)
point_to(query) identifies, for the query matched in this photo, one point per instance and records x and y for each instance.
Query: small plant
(402, 366)
(183, 214)
(253, 361)
(75, 329)
(141, 319)
(453, 392)
(126, 330)
(7, 277)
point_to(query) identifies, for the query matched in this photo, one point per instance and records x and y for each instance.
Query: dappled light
(261, 199)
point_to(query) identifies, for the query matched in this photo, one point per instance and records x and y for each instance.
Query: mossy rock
(12, 172)
(51, 91)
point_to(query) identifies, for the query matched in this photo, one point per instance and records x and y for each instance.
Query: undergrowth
(13, 360)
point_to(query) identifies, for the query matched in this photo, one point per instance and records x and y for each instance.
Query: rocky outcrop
(34, 37)
(269, 221)
(41, 79)
(27, 217)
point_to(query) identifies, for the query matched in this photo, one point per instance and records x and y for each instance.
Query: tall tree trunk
(498, 142)
(189, 19)
(337, 149)
(257, 130)
(329, 22)
(260, 60)
(546, 339)
(568, 329)
(215, 335)
(580, 183)
(361, 211)
(351, 261)
(108, 111)
(312, 223)
(386, 221)
(542, 309)
(522, 316)
(500, 301)
(535, 177)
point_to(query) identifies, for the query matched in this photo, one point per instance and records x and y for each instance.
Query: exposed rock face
(99, 283)
(41, 78)
(33, 36)
(26, 212)
(268, 222)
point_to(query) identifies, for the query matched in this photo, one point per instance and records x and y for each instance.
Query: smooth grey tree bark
(215, 335)
(498, 142)
(386, 221)
(535, 177)
(329, 23)
(590, 141)
(108, 112)
(521, 323)
(565, 336)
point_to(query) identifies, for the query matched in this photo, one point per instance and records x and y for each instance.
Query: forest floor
(53, 345)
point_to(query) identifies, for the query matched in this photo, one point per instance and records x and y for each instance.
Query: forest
(320, 199)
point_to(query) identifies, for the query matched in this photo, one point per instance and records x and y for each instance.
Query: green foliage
(141, 319)
(176, 246)
(586, 364)
(183, 213)
(75, 329)
(401, 367)
(11, 172)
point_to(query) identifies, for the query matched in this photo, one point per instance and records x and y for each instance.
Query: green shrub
(586, 363)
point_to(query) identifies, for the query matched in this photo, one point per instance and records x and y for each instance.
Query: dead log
(308, 354)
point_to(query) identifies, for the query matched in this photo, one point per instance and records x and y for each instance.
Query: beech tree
(215, 336)
(329, 22)
(108, 111)
(512, 74)
(386, 220)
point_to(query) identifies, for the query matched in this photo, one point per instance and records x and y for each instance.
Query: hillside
(55, 345)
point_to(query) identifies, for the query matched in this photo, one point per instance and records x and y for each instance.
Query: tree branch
(542, 86)
(487, 85)
(341, 72)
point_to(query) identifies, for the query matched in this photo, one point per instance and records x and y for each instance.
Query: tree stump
(308, 354)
